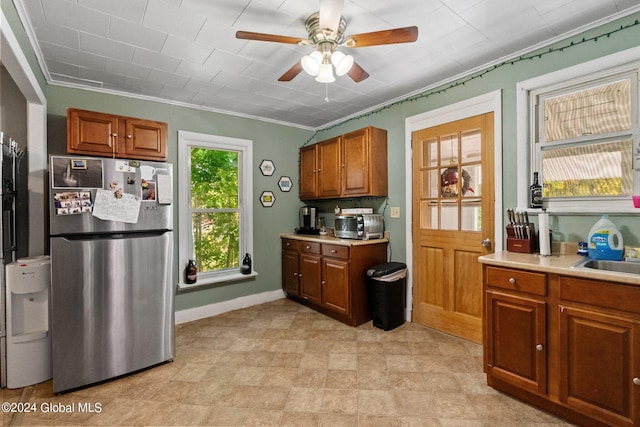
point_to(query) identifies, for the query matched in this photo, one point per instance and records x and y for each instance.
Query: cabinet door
(355, 159)
(310, 273)
(290, 272)
(329, 168)
(146, 139)
(599, 364)
(308, 175)
(335, 285)
(516, 341)
(92, 133)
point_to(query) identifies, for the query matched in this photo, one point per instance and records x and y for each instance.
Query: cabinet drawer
(600, 294)
(309, 248)
(335, 251)
(517, 280)
(290, 245)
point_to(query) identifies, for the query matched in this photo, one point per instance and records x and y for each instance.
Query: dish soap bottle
(245, 268)
(605, 241)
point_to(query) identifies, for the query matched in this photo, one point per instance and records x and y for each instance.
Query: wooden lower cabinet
(571, 347)
(330, 278)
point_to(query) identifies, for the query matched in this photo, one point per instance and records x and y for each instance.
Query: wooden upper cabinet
(329, 165)
(351, 165)
(89, 132)
(364, 163)
(109, 135)
(308, 172)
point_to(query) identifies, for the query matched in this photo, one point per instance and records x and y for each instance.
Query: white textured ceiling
(185, 51)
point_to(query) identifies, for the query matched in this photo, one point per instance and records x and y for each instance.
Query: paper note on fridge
(110, 206)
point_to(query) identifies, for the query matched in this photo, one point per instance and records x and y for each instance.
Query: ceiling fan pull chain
(326, 92)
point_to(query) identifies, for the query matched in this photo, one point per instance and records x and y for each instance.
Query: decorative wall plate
(285, 183)
(267, 168)
(267, 199)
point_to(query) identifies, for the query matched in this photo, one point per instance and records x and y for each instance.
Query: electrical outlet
(395, 212)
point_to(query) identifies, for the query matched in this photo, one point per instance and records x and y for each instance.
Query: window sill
(218, 279)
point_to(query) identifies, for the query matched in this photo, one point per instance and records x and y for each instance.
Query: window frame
(529, 154)
(244, 147)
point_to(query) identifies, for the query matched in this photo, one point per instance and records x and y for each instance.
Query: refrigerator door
(131, 195)
(112, 306)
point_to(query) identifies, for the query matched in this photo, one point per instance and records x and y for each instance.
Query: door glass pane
(471, 216)
(470, 142)
(449, 149)
(430, 153)
(471, 180)
(600, 169)
(449, 219)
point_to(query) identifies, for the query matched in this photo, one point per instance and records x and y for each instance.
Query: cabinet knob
(129, 136)
(295, 274)
(636, 381)
(333, 251)
(323, 282)
(288, 244)
(539, 347)
(114, 134)
(299, 274)
(308, 247)
(512, 280)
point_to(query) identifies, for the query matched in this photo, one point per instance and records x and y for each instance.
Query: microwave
(359, 226)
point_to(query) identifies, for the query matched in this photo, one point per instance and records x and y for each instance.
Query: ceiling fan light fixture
(342, 62)
(311, 63)
(326, 73)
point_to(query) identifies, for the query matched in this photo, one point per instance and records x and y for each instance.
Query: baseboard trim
(204, 311)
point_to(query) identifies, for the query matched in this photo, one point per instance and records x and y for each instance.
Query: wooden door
(146, 139)
(329, 168)
(290, 272)
(335, 285)
(308, 175)
(310, 273)
(453, 212)
(599, 362)
(516, 341)
(92, 133)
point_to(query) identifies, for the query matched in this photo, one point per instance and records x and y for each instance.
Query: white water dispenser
(28, 322)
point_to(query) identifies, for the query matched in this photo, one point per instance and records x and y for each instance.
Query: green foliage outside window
(215, 209)
(583, 188)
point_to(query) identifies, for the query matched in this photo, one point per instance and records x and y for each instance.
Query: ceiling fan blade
(357, 73)
(248, 35)
(396, 35)
(291, 72)
(330, 14)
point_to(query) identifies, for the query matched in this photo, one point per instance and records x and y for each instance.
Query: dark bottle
(535, 193)
(245, 268)
(191, 273)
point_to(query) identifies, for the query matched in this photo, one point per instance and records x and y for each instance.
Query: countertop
(334, 240)
(558, 264)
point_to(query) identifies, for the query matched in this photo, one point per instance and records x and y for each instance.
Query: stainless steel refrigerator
(112, 291)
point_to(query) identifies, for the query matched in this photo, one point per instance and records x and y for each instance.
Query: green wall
(270, 141)
(610, 38)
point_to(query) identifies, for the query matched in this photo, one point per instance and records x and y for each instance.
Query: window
(215, 205)
(583, 127)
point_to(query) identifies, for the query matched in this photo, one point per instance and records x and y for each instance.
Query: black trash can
(387, 284)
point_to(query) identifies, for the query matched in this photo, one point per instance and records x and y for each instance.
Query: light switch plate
(395, 212)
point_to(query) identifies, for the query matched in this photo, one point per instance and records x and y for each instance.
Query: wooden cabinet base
(363, 317)
(544, 403)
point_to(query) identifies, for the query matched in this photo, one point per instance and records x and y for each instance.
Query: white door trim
(490, 102)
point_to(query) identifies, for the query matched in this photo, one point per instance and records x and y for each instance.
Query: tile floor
(282, 364)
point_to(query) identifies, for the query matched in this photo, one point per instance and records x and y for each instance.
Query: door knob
(486, 243)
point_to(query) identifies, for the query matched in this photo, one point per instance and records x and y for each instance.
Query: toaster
(359, 226)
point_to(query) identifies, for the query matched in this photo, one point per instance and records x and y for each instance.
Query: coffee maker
(307, 221)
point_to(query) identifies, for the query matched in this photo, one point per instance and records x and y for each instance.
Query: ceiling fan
(325, 34)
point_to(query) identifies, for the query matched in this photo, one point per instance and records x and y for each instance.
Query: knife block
(526, 245)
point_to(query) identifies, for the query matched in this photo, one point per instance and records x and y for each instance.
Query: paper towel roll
(543, 234)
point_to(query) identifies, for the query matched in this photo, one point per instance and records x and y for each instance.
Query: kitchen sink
(613, 266)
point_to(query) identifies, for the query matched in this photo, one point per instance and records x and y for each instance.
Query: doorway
(453, 205)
